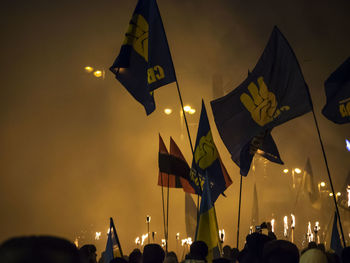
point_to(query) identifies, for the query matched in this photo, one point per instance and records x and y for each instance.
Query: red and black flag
(174, 171)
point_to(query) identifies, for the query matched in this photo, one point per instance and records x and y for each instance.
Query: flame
(310, 235)
(143, 238)
(177, 236)
(163, 242)
(186, 241)
(348, 190)
(97, 235)
(293, 221)
(222, 235)
(285, 227)
(273, 225)
(148, 219)
(317, 226)
(76, 242)
(137, 241)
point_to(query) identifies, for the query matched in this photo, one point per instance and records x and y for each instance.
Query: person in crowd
(153, 253)
(276, 251)
(332, 257)
(171, 257)
(38, 249)
(253, 249)
(313, 255)
(345, 255)
(198, 252)
(135, 256)
(88, 254)
(118, 260)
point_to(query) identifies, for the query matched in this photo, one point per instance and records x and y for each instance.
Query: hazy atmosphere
(76, 149)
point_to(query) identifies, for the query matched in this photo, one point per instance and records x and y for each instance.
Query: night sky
(76, 149)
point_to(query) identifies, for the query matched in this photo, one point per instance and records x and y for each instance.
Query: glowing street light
(168, 111)
(98, 73)
(285, 171)
(322, 184)
(89, 69)
(330, 194)
(297, 170)
(187, 108)
(347, 144)
(339, 194)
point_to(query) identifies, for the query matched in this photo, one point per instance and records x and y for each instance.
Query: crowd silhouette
(258, 248)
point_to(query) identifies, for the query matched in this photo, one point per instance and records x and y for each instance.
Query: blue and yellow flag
(207, 160)
(208, 230)
(144, 62)
(113, 247)
(337, 86)
(273, 93)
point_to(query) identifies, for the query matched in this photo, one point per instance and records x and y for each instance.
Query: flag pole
(328, 172)
(167, 220)
(161, 178)
(239, 209)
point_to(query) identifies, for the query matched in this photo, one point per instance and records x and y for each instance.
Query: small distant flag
(310, 187)
(273, 93)
(208, 230)
(336, 245)
(174, 172)
(207, 159)
(113, 248)
(337, 87)
(144, 62)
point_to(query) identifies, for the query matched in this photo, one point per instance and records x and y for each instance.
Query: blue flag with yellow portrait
(337, 86)
(144, 62)
(207, 160)
(273, 93)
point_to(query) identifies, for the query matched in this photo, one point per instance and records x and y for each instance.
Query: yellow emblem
(344, 108)
(262, 103)
(206, 152)
(137, 35)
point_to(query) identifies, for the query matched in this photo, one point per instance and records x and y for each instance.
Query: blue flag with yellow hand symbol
(144, 62)
(275, 92)
(207, 160)
(337, 88)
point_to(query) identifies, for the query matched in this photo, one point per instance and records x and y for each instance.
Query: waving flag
(273, 93)
(208, 230)
(174, 172)
(144, 62)
(337, 88)
(113, 248)
(207, 159)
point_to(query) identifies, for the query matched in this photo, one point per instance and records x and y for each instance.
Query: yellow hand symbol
(137, 35)
(206, 152)
(262, 105)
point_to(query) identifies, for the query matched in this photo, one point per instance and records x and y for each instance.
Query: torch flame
(177, 236)
(222, 235)
(285, 232)
(348, 190)
(310, 235)
(293, 221)
(163, 242)
(273, 225)
(137, 241)
(186, 241)
(143, 238)
(97, 235)
(76, 242)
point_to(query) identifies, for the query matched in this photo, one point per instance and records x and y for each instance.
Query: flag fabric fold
(144, 62)
(337, 87)
(207, 160)
(190, 216)
(208, 230)
(273, 93)
(113, 247)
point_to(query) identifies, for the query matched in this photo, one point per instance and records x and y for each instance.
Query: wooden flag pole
(161, 178)
(239, 209)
